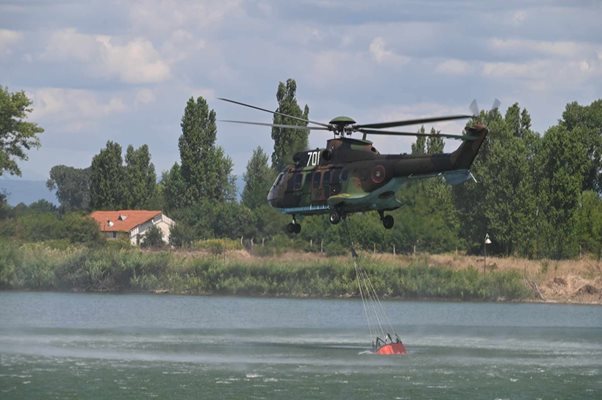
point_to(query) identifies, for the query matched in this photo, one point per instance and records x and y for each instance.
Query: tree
(16, 135)
(585, 124)
(205, 169)
(588, 218)
(288, 141)
(72, 187)
(469, 197)
(562, 166)
(434, 143)
(419, 147)
(107, 179)
(153, 238)
(140, 177)
(258, 179)
(173, 188)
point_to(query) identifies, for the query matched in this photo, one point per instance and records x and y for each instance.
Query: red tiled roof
(122, 220)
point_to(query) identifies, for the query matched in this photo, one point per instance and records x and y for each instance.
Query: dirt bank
(565, 281)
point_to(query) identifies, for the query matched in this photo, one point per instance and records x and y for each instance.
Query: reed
(42, 267)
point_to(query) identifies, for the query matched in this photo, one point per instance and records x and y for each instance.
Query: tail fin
(463, 157)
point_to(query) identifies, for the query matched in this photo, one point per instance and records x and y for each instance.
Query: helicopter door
(315, 185)
(325, 190)
(294, 183)
(335, 182)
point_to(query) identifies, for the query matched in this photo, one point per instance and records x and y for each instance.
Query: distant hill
(24, 191)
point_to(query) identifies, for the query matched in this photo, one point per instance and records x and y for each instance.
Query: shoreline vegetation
(220, 270)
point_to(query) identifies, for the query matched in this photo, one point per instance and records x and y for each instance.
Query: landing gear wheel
(293, 227)
(335, 217)
(388, 221)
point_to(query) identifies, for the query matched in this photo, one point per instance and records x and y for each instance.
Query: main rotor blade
(274, 112)
(313, 128)
(397, 133)
(412, 121)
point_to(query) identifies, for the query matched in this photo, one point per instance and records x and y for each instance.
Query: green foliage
(181, 235)
(586, 124)
(153, 238)
(288, 141)
(16, 135)
(205, 170)
(40, 267)
(72, 187)
(115, 186)
(173, 188)
(33, 225)
(588, 219)
(107, 179)
(562, 161)
(258, 179)
(419, 147)
(141, 178)
(510, 197)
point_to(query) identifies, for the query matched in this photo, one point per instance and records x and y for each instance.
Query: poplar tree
(562, 164)
(585, 125)
(258, 179)
(205, 169)
(419, 147)
(107, 179)
(288, 141)
(140, 177)
(173, 188)
(434, 143)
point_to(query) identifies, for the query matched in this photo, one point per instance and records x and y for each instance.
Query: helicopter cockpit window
(335, 176)
(326, 181)
(344, 175)
(278, 179)
(298, 179)
(315, 183)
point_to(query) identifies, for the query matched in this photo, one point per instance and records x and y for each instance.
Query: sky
(123, 70)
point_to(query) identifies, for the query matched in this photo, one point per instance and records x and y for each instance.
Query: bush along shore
(37, 266)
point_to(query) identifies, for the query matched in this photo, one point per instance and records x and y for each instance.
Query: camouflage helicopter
(349, 175)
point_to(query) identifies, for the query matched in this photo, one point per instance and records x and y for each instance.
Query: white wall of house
(163, 222)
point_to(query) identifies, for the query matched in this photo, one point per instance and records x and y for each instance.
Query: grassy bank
(40, 267)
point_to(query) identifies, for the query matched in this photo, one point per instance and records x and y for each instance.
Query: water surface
(58, 345)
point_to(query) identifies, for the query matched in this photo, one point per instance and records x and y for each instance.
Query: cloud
(73, 108)
(453, 67)
(145, 96)
(567, 49)
(7, 40)
(135, 61)
(382, 55)
(168, 15)
(519, 17)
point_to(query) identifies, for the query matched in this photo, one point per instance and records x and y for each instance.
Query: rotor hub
(342, 125)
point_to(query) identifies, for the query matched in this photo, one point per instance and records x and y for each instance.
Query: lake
(111, 346)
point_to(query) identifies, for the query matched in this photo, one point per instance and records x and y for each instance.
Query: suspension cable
(373, 308)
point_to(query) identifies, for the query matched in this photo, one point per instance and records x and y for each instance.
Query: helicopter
(350, 175)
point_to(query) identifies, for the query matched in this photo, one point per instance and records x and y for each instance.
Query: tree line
(535, 195)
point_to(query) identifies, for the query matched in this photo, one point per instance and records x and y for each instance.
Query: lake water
(92, 346)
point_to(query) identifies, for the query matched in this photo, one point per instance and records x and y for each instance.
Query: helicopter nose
(271, 196)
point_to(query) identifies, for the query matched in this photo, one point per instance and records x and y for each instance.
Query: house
(132, 224)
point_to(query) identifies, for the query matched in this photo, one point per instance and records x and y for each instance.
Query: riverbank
(297, 274)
